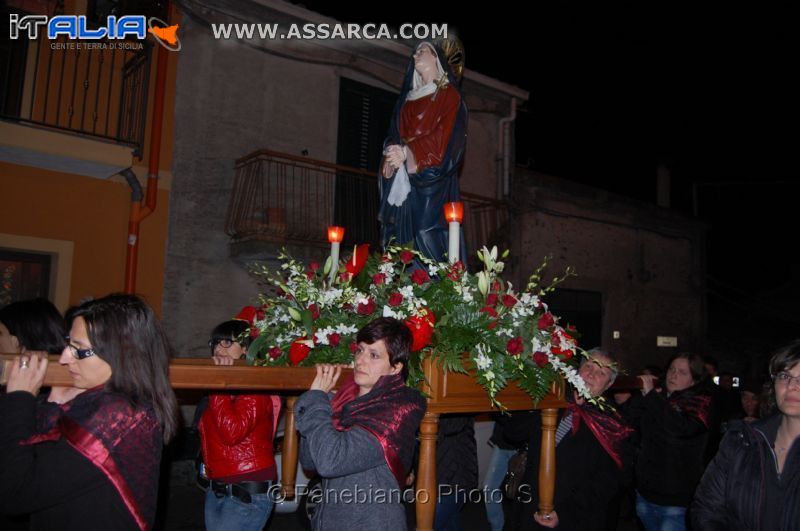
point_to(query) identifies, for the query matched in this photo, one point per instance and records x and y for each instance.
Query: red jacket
(236, 433)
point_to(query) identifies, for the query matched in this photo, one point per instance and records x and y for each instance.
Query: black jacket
(456, 452)
(741, 489)
(62, 489)
(507, 429)
(672, 440)
(586, 481)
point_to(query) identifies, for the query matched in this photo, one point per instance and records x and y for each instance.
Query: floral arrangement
(465, 322)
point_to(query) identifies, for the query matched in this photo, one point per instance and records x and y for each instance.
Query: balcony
(284, 200)
(99, 91)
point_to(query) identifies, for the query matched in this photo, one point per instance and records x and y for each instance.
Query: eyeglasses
(225, 342)
(786, 378)
(78, 353)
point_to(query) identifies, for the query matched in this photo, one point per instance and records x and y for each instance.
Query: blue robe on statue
(433, 127)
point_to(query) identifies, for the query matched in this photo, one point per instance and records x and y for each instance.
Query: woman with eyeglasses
(236, 432)
(754, 480)
(93, 462)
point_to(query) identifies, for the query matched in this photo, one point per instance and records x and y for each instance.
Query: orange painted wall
(93, 214)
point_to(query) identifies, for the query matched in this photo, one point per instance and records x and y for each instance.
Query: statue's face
(425, 60)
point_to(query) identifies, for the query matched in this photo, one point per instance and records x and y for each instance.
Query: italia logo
(77, 28)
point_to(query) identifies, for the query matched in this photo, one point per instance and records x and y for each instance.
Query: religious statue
(424, 151)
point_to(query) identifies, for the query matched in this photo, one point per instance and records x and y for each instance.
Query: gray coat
(359, 490)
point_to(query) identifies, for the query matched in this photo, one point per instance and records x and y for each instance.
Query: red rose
(345, 276)
(334, 339)
(357, 262)
(566, 338)
(488, 309)
(546, 321)
(456, 270)
(395, 299)
(492, 325)
(540, 358)
(514, 346)
(310, 275)
(275, 353)
(353, 347)
(421, 330)
(496, 286)
(378, 279)
(298, 351)
(406, 256)
(313, 266)
(420, 277)
(491, 300)
(566, 354)
(314, 311)
(509, 301)
(366, 308)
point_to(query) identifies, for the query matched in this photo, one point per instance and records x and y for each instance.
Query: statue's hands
(395, 156)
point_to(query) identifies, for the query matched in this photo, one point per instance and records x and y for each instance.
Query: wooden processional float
(448, 393)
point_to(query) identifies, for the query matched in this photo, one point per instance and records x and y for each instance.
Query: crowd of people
(88, 455)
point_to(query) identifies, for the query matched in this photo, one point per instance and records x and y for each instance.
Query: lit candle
(453, 213)
(335, 236)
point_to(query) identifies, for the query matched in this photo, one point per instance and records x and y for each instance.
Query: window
(364, 116)
(23, 276)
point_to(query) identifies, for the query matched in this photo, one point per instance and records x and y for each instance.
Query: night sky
(618, 88)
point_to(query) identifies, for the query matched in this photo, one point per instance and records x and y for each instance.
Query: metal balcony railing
(286, 199)
(99, 90)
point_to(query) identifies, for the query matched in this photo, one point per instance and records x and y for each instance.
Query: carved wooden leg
(426, 472)
(289, 463)
(547, 461)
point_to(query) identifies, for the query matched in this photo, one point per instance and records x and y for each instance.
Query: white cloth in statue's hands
(401, 186)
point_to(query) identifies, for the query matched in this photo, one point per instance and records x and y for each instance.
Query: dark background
(617, 89)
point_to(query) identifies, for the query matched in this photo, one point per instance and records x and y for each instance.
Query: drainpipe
(139, 211)
(504, 148)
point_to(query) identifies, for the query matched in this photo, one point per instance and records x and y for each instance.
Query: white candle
(334, 260)
(453, 241)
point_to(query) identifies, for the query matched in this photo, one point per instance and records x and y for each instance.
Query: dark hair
(126, 334)
(782, 359)
(36, 323)
(711, 360)
(655, 370)
(697, 367)
(234, 329)
(395, 334)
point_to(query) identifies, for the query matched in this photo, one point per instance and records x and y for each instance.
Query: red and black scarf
(608, 428)
(123, 441)
(391, 412)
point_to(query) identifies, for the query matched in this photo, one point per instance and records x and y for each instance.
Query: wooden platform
(448, 393)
